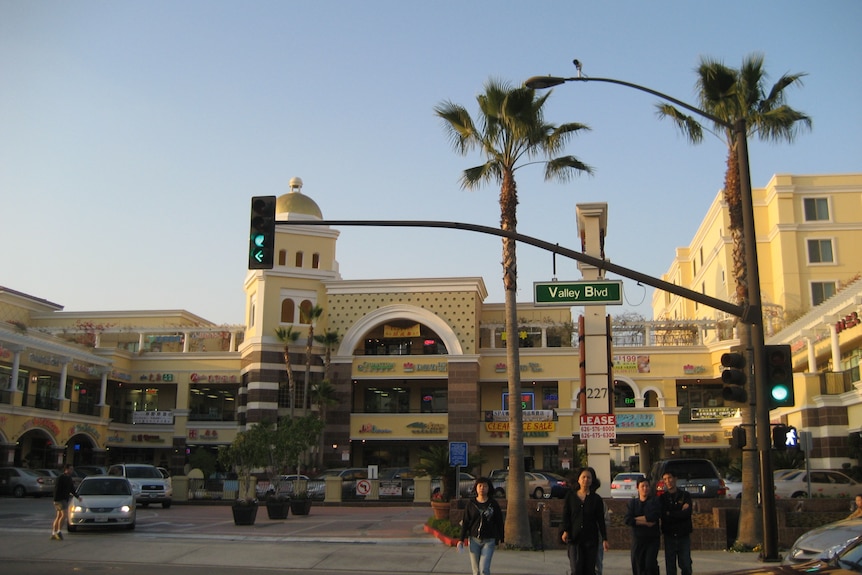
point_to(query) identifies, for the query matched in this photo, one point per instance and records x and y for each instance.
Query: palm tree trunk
(517, 528)
(750, 531)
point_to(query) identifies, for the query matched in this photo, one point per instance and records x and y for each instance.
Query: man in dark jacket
(64, 488)
(676, 513)
(642, 515)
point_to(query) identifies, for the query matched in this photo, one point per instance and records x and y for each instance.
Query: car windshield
(104, 486)
(143, 473)
(851, 558)
(628, 476)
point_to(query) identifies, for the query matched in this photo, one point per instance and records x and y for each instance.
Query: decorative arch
(357, 331)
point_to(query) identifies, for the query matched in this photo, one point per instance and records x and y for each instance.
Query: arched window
(315, 261)
(299, 259)
(288, 311)
(650, 399)
(624, 396)
(282, 257)
(304, 311)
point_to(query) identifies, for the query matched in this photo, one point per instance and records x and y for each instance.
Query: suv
(697, 476)
(148, 484)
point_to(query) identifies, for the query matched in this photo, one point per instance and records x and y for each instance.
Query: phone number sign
(599, 426)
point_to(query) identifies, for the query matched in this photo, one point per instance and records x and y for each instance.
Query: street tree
(730, 95)
(511, 132)
(287, 336)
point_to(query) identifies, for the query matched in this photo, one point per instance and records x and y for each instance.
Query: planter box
(277, 509)
(244, 514)
(300, 507)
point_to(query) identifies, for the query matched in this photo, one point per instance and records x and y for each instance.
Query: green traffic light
(259, 240)
(780, 393)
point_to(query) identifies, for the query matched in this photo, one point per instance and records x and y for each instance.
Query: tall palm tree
(511, 132)
(732, 95)
(329, 339)
(311, 316)
(287, 336)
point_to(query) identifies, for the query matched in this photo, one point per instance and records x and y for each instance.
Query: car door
(840, 484)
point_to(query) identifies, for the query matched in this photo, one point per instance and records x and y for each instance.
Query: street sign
(578, 293)
(458, 453)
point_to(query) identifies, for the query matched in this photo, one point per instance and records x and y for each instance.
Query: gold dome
(297, 203)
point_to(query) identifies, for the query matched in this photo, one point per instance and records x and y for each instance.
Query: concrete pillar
(16, 365)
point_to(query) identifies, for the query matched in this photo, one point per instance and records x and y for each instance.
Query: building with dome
(421, 361)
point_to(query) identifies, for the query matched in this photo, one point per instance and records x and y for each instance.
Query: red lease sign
(599, 419)
(599, 426)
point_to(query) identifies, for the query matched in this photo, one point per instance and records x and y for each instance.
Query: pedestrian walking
(676, 526)
(600, 555)
(584, 528)
(642, 515)
(482, 526)
(64, 488)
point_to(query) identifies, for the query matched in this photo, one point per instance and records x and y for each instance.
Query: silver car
(103, 501)
(824, 483)
(823, 542)
(19, 482)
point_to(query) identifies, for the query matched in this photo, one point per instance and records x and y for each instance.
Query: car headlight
(77, 508)
(125, 508)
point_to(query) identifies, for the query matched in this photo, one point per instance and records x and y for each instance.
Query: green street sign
(578, 293)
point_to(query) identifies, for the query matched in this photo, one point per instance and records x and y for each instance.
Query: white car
(734, 487)
(103, 501)
(625, 485)
(824, 483)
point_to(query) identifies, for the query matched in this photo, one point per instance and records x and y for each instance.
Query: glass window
(387, 400)
(298, 259)
(820, 251)
(821, 291)
(434, 400)
(816, 209)
(624, 396)
(212, 402)
(287, 311)
(315, 261)
(550, 397)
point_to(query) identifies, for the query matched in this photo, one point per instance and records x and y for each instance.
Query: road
(332, 540)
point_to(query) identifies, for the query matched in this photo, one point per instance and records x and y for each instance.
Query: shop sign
(635, 420)
(153, 417)
(391, 488)
(528, 415)
(213, 378)
(850, 320)
(371, 428)
(410, 367)
(116, 439)
(421, 427)
(700, 438)
(532, 367)
(145, 438)
(701, 413)
(42, 422)
(45, 359)
(391, 331)
(528, 426)
(203, 434)
(84, 428)
(157, 377)
(376, 366)
(631, 364)
(689, 369)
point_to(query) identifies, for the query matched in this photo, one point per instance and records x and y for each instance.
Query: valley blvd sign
(578, 293)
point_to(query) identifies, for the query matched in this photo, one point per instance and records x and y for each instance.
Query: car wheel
(739, 495)
(19, 491)
(166, 505)
(539, 493)
(800, 494)
(500, 492)
(72, 528)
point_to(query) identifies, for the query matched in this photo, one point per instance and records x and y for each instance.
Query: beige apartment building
(421, 361)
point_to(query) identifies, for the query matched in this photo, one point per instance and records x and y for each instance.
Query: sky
(134, 133)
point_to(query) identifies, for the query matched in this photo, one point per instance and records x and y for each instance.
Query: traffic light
(785, 437)
(734, 376)
(738, 438)
(779, 376)
(261, 244)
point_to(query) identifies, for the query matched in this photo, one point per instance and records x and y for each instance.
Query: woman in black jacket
(583, 523)
(483, 524)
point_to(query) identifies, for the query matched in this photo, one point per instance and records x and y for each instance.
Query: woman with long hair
(482, 526)
(584, 528)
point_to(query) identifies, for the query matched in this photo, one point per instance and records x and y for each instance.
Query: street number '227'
(597, 392)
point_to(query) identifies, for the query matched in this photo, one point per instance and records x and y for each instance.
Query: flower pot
(244, 513)
(277, 508)
(441, 509)
(300, 506)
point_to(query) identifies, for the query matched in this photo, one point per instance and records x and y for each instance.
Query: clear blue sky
(133, 133)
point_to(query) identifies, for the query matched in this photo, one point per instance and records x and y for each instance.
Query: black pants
(645, 555)
(582, 557)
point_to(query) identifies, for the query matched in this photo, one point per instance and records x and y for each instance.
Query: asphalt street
(332, 540)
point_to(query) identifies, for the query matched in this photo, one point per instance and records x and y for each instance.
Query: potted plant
(434, 461)
(285, 443)
(246, 453)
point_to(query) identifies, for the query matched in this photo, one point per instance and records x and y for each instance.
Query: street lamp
(752, 315)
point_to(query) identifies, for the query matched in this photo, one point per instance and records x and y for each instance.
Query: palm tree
(311, 315)
(329, 339)
(324, 396)
(732, 95)
(511, 132)
(287, 336)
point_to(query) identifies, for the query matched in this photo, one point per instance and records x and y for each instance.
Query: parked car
(538, 484)
(103, 501)
(349, 476)
(85, 470)
(699, 477)
(846, 562)
(824, 541)
(624, 485)
(147, 483)
(19, 482)
(824, 483)
(287, 487)
(734, 487)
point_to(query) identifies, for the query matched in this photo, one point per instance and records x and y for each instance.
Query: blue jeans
(677, 550)
(481, 551)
